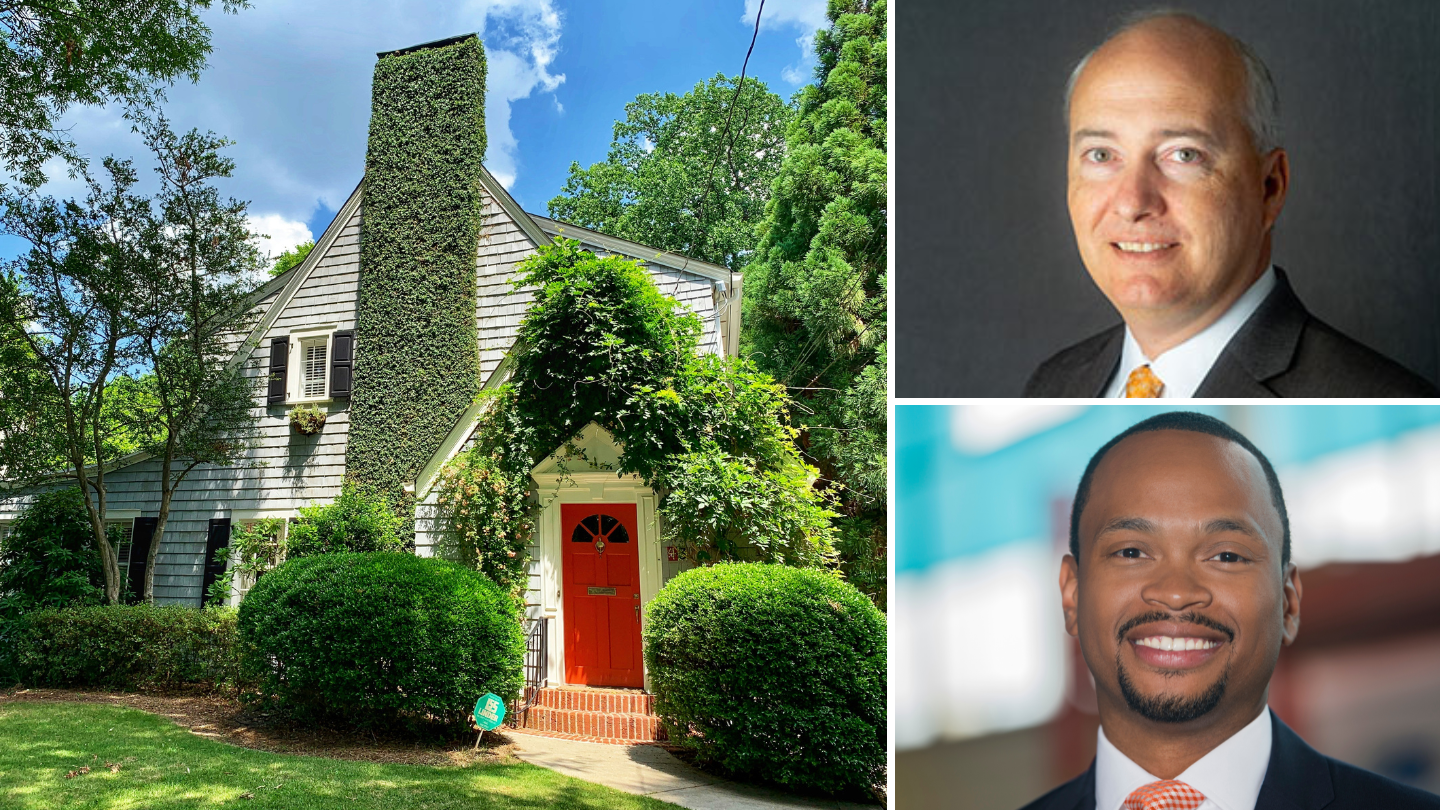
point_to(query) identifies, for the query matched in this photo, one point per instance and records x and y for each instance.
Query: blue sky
(289, 82)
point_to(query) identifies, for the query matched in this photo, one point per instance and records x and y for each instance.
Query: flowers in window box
(307, 419)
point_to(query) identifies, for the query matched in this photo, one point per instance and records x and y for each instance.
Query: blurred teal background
(982, 669)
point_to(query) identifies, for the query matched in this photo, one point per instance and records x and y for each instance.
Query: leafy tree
(122, 285)
(291, 258)
(64, 302)
(26, 440)
(675, 181)
(62, 53)
(197, 259)
(815, 293)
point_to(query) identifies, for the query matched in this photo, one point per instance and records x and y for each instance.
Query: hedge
(371, 638)
(127, 647)
(773, 673)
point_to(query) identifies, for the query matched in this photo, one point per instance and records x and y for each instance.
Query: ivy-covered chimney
(417, 364)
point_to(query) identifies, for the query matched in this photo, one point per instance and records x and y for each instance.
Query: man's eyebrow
(1127, 524)
(1190, 132)
(1082, 134)
(1219, 525)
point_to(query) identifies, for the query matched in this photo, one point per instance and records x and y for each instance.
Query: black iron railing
(537, 660)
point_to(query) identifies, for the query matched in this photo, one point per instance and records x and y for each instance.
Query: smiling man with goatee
(1176, 177)
(1180, 589)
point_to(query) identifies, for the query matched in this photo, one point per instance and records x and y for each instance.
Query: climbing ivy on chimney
(417, 364)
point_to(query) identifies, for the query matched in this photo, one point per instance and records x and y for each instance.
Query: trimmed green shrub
(356, 521)
(371, 638)
(48, 559)
(773, 673)
(127, 647)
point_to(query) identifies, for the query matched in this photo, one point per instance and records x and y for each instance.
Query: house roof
(540, 231)
(634, 250)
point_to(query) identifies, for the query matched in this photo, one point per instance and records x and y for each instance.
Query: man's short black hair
(1194, 423)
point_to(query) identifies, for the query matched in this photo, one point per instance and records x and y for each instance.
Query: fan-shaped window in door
(599, 527)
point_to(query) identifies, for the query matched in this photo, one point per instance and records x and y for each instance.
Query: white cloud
(808, 16)
(522, 39)
(289, 83)
(281, 234)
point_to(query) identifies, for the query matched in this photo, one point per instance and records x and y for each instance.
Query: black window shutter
(141, 535)
(218, 538)
(279, 354)
(342, 362)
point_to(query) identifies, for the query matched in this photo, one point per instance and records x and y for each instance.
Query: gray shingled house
(305, 342)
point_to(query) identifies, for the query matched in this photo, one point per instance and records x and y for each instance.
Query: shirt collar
(1184, 367)
(1229, 776)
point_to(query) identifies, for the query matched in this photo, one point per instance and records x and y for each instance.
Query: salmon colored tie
(1143, 383)
(1167, 794)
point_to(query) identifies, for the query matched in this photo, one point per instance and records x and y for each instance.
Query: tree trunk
(167, 490)
(109, 562)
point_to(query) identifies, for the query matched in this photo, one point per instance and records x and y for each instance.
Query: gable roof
(538, 229)
(634, 250)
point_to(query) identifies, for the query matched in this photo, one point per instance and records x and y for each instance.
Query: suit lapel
(1264, 347)
(1085, 795)
(1297, 777)
(1094, 375)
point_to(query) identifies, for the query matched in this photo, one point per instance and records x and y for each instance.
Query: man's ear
(1275, 169)
(1069, 592)
(1292, 604)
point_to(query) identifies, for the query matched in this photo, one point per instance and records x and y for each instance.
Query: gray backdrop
(988, 282)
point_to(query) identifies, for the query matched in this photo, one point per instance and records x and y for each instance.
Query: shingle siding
(286, 470)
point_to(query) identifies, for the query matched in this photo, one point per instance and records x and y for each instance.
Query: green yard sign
(489, 712)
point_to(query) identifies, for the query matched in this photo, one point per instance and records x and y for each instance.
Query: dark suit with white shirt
(1281, 351)
(1297, 778)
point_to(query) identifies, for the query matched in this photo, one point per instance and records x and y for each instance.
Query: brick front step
(600, 715)
(613, 701)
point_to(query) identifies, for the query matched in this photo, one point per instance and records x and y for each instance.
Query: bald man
(1175, 180)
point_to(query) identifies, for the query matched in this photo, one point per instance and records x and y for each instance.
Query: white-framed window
(127, 536)
(310, 355)
(4, 530)
(241, 583)
(314, 368)
(311, 365)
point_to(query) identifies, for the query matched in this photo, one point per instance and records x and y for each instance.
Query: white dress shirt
(1229, 776)
(1184, 367)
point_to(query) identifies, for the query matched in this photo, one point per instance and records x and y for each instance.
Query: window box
(307, 419)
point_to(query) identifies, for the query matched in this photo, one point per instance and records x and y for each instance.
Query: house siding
(499, 307)
(284, 470)
(427, 539)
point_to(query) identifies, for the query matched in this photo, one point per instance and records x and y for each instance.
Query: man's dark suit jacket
(1282, 351)
(1298, 778)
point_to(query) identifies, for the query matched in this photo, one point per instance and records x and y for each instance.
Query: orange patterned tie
(1143, 383)
(1167, 794)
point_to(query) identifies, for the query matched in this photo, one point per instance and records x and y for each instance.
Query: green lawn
(164, 766)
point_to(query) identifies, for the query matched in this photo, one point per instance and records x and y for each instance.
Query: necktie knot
(1167, 794)
(1143, 383)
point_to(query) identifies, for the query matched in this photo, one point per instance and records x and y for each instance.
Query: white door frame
(591, 487)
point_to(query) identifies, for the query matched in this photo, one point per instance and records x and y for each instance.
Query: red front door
(602, 594)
